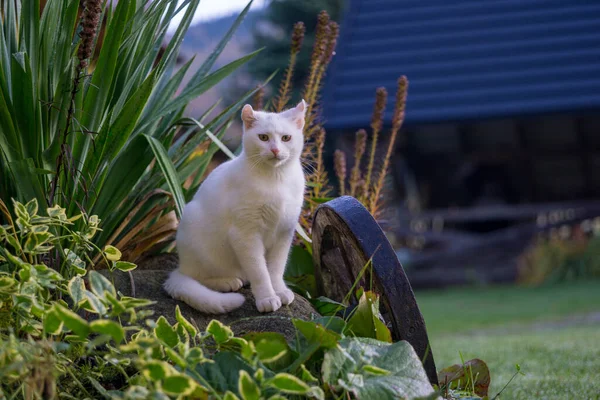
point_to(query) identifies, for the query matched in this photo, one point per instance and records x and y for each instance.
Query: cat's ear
(297, 114)
(248, 116)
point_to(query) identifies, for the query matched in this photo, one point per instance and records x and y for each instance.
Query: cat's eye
(286, 138)
(263, 137)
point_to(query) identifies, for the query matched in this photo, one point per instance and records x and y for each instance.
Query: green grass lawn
(505, 325)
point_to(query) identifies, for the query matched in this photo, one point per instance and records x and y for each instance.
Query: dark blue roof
(465, 58)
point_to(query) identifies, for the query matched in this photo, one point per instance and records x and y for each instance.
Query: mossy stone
(152, 272)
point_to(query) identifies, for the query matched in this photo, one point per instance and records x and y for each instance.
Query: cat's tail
(198, 296)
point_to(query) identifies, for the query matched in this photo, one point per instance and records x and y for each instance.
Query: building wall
(511, 160)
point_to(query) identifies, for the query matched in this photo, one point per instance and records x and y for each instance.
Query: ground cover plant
(69, 334)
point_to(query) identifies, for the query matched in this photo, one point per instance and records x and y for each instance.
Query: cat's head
(273, 138)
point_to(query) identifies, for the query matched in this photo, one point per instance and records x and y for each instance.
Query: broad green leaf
(108, 327)
(117, 307)
(336, 324)
(73, 321)
(289, 384)
(157, 370)
(7, 284)
(259, 376)
(223, 373)
(194, 356)
(125, 266)
(184, 337)
(98, 387)
(32, 207)
(132, 302)
(165, 332)
(247, 388)
(100, 284)
(230, 396)
(184, 322)
(135, 392)
(178, 385)
(307, 376)
(52, 322)
(57, 212)
(272, 349)
(299, 263)
(367, 321)
(75, 262)
(93, 303)
(175, 357)
(76, 289)
(221, 333)
(317, 333)
(169, 173)
(326, 306)
(112, 253)
(349, 367)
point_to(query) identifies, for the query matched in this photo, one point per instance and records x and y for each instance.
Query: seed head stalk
(89, 22)
(397, 121)
(286, 85)
(376, 125)
(359, 151)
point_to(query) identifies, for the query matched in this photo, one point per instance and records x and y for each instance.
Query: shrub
(69, 334)
(559, 259)
(104, 136)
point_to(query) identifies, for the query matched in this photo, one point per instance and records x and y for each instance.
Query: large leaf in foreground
(371, 369)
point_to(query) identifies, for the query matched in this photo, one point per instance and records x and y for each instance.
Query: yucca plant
(110, 140)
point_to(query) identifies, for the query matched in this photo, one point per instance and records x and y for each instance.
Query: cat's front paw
(268, 304)
(286, 296)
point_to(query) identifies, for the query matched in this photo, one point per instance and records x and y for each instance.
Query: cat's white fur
(240, 224)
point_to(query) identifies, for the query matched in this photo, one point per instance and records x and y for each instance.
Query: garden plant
(96, 163)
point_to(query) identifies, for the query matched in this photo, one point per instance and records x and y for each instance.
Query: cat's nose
(275, 152)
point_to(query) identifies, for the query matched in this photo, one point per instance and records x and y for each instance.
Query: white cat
(240, 224)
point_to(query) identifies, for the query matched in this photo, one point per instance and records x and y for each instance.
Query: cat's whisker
(309, 168)
(307, 161)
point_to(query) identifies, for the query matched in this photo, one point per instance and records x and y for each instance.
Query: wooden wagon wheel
(345, 237)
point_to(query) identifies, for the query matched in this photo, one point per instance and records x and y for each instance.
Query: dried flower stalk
(319, 177)
(397, 120)
(317, 58)
(89, 22)
(340, 169)
(285, 87)
(258, 98)
(359, 150)
(89, 25)
(376, 125)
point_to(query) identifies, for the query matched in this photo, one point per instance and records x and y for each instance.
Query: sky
(211, 9)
